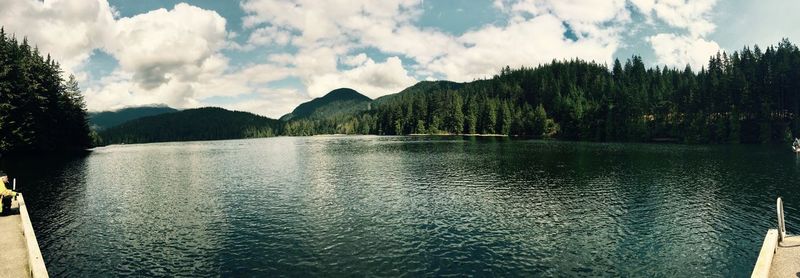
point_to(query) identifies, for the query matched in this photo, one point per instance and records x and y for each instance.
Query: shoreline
(452, 134)
(657, 141)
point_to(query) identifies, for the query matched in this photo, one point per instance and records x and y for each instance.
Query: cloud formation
(535, 34)
(675, 50)
(326, 33)
(694, 17)
(67, 30)
(372, 79)
(186, 56)
(165, 56)
(162, 45)
(526, 42)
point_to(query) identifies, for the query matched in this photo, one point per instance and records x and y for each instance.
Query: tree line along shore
(748, 96)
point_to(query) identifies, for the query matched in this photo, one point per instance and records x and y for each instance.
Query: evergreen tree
(749, 96)
(471, 116)
(39, 111)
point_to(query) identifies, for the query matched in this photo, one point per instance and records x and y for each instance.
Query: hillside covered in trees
(208, 123)
(342, 101)
(326, 115)
(40, 111)
(107, 119)
(749, 96)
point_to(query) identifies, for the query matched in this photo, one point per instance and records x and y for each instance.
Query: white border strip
(35, 260)
(764, 261)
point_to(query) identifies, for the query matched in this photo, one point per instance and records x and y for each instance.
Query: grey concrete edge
(764, 262)
(35, 260)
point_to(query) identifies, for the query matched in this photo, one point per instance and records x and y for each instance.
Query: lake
(414, 206)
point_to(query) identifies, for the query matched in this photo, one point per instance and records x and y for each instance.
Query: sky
(268, 56)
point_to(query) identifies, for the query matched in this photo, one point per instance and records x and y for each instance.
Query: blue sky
(267, 56)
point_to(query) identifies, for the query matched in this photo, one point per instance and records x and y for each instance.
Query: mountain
(360, 116)
(107, 119)
(422, 87)
(209, 123)
(338, 102)
(739, 97)
(743, 97)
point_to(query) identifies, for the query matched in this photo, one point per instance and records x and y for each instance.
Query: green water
(416, 206)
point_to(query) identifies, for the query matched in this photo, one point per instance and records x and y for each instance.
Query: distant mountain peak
(204, 123)
(342, 100)
(134, 107)
(107, 119)
(345, 94)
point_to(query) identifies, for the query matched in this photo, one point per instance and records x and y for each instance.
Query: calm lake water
(415, 206)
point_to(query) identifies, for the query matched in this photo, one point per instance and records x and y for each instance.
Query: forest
(103, 120)
(40, 111)
(208, 123)
(748, 96)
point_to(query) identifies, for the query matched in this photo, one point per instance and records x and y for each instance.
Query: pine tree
(39, 111)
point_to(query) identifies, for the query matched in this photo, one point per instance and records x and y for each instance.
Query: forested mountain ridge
(208, 123)
(39, 110)
(422, 87)
(335, 103)
(749, 96)
(106, 119)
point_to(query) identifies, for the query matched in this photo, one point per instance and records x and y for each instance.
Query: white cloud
(423, 46)
(68, 30)
(356, 60)
(678, 51)
(598, 40)
(326, 32)
(371, 79)
(165, 56)
(326, 20)
(575, 10)
(242, 82)
(120, 89)
(174, 56)
(282, 59)
(693, 16)
(535, 34)
(523, 43)
(269, 36)
(160, 45)
(272, 103)
(311, 62)
(329, 31)
(117, 91)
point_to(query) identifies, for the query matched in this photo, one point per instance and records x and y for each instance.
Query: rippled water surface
(417, 206)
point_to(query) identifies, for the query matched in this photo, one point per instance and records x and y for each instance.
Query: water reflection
(54, 188)
(420, 206)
